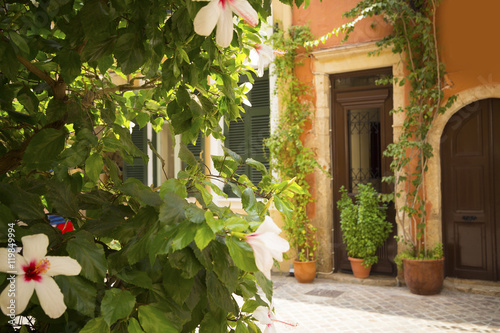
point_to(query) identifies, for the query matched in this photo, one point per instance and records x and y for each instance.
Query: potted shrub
(364, 227)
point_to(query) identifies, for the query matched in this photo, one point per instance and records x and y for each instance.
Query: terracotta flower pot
(358, 269)
(424, 277)
(304, 271)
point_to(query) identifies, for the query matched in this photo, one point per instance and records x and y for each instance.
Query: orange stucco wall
(324, 16)
(468, 40)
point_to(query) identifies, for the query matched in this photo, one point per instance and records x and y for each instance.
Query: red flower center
(34, 270)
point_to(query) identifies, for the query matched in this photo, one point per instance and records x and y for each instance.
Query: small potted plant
(364, 227)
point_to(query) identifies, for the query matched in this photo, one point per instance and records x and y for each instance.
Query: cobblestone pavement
(331, 306)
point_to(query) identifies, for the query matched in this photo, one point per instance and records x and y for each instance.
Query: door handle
(469, 218)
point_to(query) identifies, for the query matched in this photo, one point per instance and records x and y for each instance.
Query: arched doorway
(470, 173)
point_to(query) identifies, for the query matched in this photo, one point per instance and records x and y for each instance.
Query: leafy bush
(364, 225)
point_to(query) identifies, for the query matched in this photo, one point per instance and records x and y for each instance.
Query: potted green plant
(364, 227)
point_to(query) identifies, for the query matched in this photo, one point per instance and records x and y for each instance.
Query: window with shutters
(246, 135)
(140, 170)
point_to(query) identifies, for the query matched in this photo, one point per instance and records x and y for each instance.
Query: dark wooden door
(362, 129)
(470, 157)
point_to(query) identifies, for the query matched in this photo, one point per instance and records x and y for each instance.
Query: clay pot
(304, 271)
(358, 269)
(424, 277)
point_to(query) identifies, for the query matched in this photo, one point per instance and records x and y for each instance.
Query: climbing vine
(289, 157)
(413, 37)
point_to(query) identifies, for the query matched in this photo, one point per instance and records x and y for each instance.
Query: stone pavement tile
(331, 306)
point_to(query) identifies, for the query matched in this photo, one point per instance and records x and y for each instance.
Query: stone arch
(433, 176)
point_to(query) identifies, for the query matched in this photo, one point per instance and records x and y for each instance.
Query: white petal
(17, 260)
(35, 247)
(260, 70)
(270, 329)
(50, 296)
(206, 19)
(263, 258)
(262, 315)
(274, 244)
(63, 266)
(245, 10)
(20, 293)
(268, 226)
(225, 28)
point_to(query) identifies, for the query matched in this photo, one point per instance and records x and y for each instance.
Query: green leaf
(241, 328)
(265, 284)
(56, 110)
(248, 200)
(44, 147)
(154, 320)
(184, 236)
(186, 261)
(136, 189)
(79, 294)
(129, 52)
(207, 197)
(116, 304)
(19, 41)
(96, 325)
(28, 99)
(204, 235)
(93, 166)
(70, 63)
(219, 296)
(257, 165)
(175, 186)
(61, 198)
(90, 256)
(195, 214)
(236, 223)
(172, 209)
(25, 205)
(242, 254)
(215, 224)
(223, 266)
(178, 287)
(136, 277)
(134, 326)
(9, 65)
(186, 155)
(250, 306)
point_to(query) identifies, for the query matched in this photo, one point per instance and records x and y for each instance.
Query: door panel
(362, 129)
(469, 184)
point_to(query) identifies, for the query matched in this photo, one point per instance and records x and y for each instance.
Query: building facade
(351, 126)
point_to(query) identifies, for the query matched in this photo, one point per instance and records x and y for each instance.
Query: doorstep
(481, 287)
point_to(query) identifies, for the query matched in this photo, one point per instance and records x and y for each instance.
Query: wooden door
(470, 157)
(362, 129)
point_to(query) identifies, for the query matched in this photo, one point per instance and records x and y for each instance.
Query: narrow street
(332, 306)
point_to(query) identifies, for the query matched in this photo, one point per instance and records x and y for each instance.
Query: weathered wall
(468, 47)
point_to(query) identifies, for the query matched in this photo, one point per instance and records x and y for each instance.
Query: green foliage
(364, 225)
(289, 157)
(73, 76)
(414, 37)
(431, 254)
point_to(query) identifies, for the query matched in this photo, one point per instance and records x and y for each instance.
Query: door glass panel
(364, 148)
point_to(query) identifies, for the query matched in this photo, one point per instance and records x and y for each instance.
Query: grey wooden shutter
(138, 169)
(246, 135)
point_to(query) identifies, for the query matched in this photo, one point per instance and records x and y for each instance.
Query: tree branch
(37, 71)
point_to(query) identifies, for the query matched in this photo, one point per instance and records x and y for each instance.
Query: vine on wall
(289, 157)
(414, 37)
